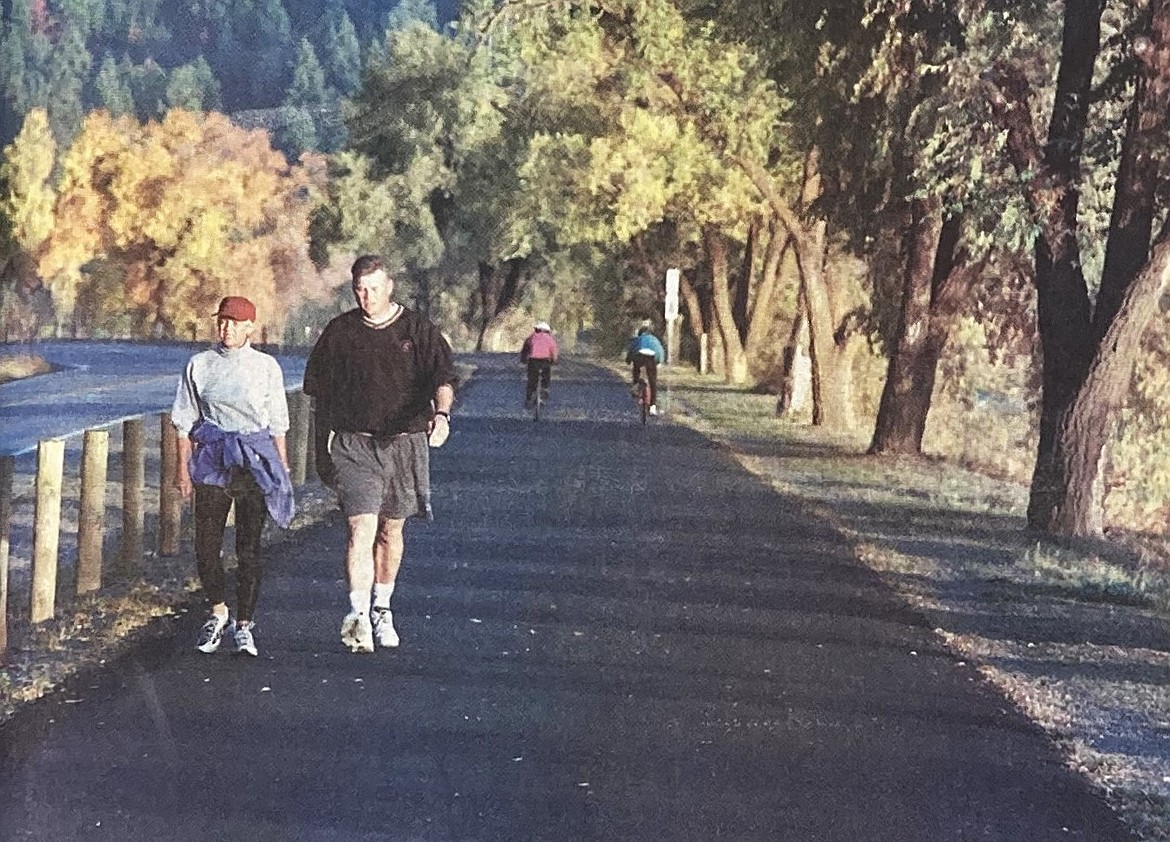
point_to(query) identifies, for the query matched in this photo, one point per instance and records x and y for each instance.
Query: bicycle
(642, 398)
(539, 396)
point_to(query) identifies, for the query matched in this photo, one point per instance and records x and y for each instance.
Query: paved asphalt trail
(609, 633)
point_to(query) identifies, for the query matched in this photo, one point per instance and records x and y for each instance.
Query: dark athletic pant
(647, 362)
(211, 510)
(538, 370)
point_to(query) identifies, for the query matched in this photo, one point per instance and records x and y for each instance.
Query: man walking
(382, 378)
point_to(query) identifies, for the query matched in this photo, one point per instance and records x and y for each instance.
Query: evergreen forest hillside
(143, 57)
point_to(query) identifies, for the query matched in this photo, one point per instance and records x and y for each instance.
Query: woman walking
(231, 415)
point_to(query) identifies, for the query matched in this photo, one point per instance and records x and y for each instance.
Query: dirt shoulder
(19, 366)
(1075, 636)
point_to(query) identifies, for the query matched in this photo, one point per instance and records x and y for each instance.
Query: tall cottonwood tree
(1089, 350)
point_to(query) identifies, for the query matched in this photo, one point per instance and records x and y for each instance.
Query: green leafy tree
(67, 76)
(297, 133)
(408, 13)
(148, 82)
(193, 87)
(112, 89)
(308, 81)
(341, 53)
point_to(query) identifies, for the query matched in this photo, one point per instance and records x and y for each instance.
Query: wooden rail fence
(89, 566)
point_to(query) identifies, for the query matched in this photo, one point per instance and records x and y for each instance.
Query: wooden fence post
(133, 483)
(170, 502)
(46, 529)
(310, 439)
(7, 469)
(91, 524)
(297, 440)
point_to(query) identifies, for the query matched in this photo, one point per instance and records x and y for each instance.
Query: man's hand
(439, 430)
(184, 484)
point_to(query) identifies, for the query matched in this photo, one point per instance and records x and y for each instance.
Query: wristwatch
(446, 415)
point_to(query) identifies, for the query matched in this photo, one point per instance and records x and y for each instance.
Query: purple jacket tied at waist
(219, 451)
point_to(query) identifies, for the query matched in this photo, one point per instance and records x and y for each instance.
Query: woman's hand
(184, 484)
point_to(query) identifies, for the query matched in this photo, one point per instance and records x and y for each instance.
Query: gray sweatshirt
(240, 390)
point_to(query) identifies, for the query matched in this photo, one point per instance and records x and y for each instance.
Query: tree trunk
(1093, 415)
(694, 307)
(1053, 193)
(795, 384)
(735, 360)
(499, 289)
(831, 368)
(760, 321)
(743, 281)
(922, 329)
(1130, 291)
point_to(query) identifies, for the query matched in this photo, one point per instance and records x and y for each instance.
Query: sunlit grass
(893, 500)
(1089, 576)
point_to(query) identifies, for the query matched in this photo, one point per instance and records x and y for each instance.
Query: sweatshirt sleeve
(441, 360)
(185, 410)
(277, 400)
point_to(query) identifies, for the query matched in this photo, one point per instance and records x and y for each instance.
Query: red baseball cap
(237, 308)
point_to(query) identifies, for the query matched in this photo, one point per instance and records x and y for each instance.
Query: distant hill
(143, 57)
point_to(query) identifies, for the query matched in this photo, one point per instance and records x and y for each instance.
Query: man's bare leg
(357, 631)
(388, 550)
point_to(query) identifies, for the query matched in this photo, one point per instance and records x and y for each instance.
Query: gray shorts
(388, 477)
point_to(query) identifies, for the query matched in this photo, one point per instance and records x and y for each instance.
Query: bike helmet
(542, 326)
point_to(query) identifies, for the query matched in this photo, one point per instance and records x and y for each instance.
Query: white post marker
(670, 312)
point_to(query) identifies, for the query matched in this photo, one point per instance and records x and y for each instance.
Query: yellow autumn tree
(183, 211)
(27, 174)
(79, 236)
(26, 207)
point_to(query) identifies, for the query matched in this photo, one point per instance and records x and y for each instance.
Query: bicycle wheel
(643, 391)
(537, 402)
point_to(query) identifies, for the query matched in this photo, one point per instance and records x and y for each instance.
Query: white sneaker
(384, 632)
(357, 633)
(245, 641)
(653, 409)
(211, 633)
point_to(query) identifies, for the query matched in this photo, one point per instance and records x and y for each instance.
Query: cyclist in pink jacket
(539, 353)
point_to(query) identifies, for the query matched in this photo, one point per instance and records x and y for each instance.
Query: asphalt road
(97, 384)
(609, 633)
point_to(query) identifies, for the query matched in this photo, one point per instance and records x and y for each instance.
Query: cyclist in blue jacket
(646, 352)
